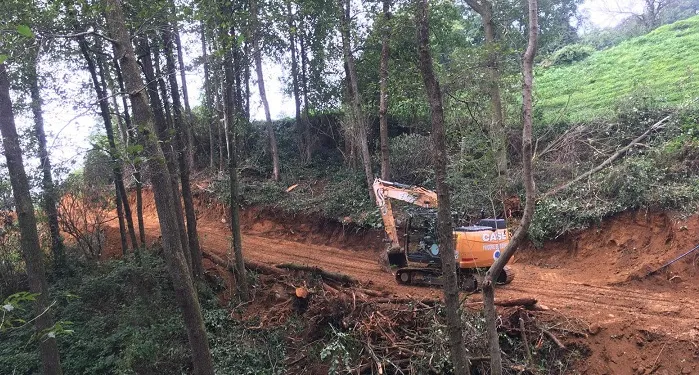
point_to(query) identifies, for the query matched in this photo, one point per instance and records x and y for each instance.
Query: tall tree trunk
(383, 91)
(162, 133)
(121, 127)
(530, 194)
(164, 198)
(246, 79)
(121, 188)
(162, 85)
(133, 133)
(102, 99)
(307, 138)
(357, 117)
(185, 95)
(29, 237)
(496, 130)
(239, 113)
(444, 224)
(230, 109)
(257, 55)
(222, 134)
(183, 152)
(50, 197)
(208, 97)
(295, 80)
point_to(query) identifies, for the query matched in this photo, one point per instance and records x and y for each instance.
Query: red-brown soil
(637, 325)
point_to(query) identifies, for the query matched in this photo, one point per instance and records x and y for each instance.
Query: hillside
(659, 68)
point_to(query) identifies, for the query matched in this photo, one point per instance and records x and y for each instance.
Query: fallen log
(257, 267)
(516, 302)
(528, 303)
(373, 293)
(399, 300)
(319, 271)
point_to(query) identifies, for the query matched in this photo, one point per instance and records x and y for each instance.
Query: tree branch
(617, 155)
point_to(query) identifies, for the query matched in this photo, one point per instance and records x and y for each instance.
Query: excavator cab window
(492, 223)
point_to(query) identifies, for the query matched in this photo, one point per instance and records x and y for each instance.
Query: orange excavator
(417, 262)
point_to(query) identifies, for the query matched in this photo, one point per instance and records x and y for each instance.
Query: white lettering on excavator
(494, 236)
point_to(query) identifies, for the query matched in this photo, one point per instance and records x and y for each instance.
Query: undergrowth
(125, 321)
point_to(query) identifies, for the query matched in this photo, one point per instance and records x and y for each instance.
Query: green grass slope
(662, 66)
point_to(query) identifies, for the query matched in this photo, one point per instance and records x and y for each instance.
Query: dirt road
(632, 318)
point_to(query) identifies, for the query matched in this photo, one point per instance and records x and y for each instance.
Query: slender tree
(102, 99)
(184, 162)
(444, 224)
(155, 86)
(303, 52)
(116, 157)
(496, 130)
(357, 120)
(383, 90)
(208, 96)
(257, 56)
(295, 77)
(185, 92)
(232, 112)
(162, 190)
(133, 133)
(29, 237)
(49, 194)
(488, 286)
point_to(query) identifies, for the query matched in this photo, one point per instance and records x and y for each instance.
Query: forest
(222, 217)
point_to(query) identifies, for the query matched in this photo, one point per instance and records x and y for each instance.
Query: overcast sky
(69, 127)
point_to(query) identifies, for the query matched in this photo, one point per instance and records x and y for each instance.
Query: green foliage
(572, 53)
(665, 177)
(237, 350)
(125, 321)
(411, 158)
(9, 308)
(662, 61)
(25, 31)
(340, 352)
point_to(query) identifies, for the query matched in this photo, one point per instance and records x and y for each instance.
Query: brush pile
(337, 324)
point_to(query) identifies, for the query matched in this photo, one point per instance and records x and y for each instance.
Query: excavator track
(419, 276)
(432, 276)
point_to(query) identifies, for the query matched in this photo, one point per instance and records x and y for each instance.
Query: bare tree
(162, 189)
(530, 196)
(85, 211)
(31, 247)
(444, 224)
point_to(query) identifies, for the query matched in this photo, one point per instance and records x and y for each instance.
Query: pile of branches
(346, 326)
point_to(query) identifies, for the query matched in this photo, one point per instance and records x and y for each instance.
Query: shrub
(572, 53)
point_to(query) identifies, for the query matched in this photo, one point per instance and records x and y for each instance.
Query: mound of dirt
(624, 248)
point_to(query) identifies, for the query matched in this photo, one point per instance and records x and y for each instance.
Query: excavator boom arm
(383, 190)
